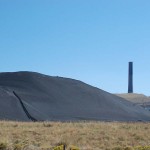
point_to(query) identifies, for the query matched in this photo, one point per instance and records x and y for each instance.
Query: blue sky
(88, 40)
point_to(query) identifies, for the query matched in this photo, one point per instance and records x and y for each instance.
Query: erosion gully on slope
(24, 108)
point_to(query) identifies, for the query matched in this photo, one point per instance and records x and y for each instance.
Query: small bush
(123, 148)
(128, 148)
(45, 124)
(18, 147)
(117, 148)
(142, 148)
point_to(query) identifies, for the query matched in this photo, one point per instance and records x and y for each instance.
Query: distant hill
(138, 99)
(26, 96)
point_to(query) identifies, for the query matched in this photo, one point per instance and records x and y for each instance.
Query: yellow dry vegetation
(83, 135)
(61, 147)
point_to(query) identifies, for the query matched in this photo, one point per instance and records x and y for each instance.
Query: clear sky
(88, 40)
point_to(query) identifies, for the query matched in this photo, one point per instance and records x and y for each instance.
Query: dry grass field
(85, 135)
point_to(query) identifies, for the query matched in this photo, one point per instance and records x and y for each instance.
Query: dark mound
(26, 96)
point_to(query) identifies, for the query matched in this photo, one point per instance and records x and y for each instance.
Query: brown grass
(85, 135)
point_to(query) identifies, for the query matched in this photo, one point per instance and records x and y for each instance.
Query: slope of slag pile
(32, 96)
(10, 107)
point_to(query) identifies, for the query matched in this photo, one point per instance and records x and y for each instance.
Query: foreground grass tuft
(3, 146)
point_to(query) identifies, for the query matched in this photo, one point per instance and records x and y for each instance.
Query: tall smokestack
(130, 80)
